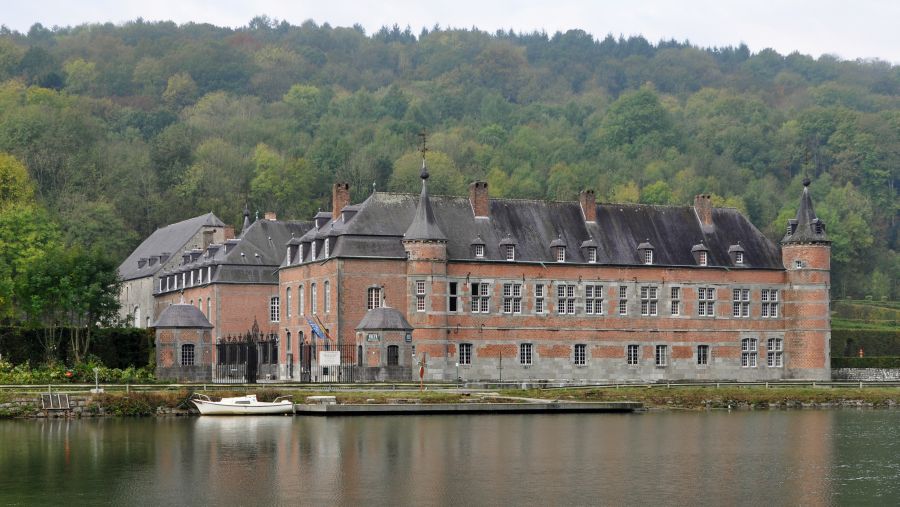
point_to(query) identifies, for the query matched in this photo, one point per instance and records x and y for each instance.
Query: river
(799, 457)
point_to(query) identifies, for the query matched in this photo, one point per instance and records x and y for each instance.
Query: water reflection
(801, 458)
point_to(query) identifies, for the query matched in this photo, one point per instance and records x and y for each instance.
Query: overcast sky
(850, 29)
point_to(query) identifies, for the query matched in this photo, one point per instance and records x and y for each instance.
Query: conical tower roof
(424, 227)
(806, 228)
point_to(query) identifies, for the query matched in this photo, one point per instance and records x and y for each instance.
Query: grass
(724, 397)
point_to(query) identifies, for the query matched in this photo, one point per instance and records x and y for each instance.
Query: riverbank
(656, 397)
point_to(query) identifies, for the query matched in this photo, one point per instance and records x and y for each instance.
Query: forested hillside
(124, 128)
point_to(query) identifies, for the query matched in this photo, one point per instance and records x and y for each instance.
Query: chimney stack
(588, 203)
(228, 233)
(340, 197)
(703, 207)
(270, 216)
(478, 198)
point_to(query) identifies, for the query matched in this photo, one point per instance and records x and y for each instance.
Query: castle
(488, 289)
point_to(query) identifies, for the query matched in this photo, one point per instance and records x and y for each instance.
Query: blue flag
(317, 331)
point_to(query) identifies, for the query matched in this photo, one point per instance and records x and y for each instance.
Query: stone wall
(866, 374)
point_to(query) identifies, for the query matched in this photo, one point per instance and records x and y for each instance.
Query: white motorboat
(242, 405)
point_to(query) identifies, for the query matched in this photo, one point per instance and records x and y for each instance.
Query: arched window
(327, 297)
(300, 295)
(187, 354)
(287, 305)
(137, 316)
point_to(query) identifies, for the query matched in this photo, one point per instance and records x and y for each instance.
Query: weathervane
(424, 173)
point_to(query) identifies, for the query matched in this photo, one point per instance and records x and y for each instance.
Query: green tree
(81, 75)
(181, 90)
(657, 192)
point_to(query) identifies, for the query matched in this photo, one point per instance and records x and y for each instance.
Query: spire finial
(374, 183)
(424, 174)
(806, 182)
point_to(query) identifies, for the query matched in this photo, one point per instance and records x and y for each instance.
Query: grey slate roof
(805, 224)
(424, 226)
(377, 231)
(182, 316)
(171, 239)
(383, 319)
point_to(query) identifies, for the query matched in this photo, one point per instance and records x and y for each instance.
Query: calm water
(829, 457)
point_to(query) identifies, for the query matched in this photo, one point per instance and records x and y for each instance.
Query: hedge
(866, 362)
(874, 342)
(115, 347)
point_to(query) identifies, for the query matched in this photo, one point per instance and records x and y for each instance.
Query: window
(774, 352)
(770, 303)
(592, 255)
(565, 299)
(623, 300)
(453, 297)
(327, 249)
(300, 298)
(748, 352)
(702, 257)
(288, 346)
(208, 274)
(539, 298)
(648, 256)
(740, 303)
(512, 298)
(738, 257)
(373, 298)
(632, 354)
(580, 354)
(300, 254)
(675, 301)
(593, 299)
(525, 353)
(510, 251)
(465, 353)
(274, 309)
(313, 303)
(191, 279)
(703, 355)
(649, 300)
(312, 255)
(327, 297)
(798, 264)
(479, 251)
(560, 254)
(200, 276)
(187, 354)
(481, 301)
(287, 302)
(706, 306)
(393, 355)
(420, 295)
(662, 352)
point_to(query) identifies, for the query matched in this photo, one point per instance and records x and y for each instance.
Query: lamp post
(96, 389)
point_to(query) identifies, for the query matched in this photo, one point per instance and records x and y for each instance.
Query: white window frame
(661, 356)
(769, 304)
(274, 309)
(540, 303)
(704, 258)
(560, 254)
(565, 299)
(703, 355)
(288, 301)
(326, 249)
(740, 303)
(526, 354)
(300, 297)
(675, 301)
(593, 299)
(465, 354)
(648, 256)
(706, 302)
(313, 297)
(623, 300)
(327, 290)
(592, 255)
(579, 354)
(510, 252)
(512, 297)
(373, 298)
(420, 295)
(479, 251)
(649, 300)
(738, 257)
(775, 352)
(480, 298)
(749, 352)
(632, 354)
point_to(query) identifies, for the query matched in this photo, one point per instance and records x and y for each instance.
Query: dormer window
(508, 248)
(510, 252)
(326, 251)
(739, 257)
(312, 255)
(592, 255)
(560, 254)
(300, 254)
(288, 256)
(702, 258)
(558, 246)
(479, 251)
(645, 252)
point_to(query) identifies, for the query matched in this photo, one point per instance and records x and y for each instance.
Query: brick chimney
(478, 198)
(703, 207)
(228, 233)
(588, 203)
(270, 215)
(340, 197)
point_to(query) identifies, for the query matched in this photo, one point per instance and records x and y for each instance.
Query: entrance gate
(246, 358)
